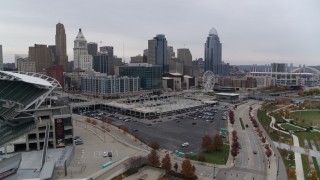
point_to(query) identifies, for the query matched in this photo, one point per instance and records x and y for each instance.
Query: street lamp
(214, 171)
(278, 167)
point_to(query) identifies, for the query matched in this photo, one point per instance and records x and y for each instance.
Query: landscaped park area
(302, 120)
(309, 117)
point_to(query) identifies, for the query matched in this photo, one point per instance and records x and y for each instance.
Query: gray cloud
(251, 31)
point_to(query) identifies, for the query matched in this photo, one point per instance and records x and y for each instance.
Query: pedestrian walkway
(298, 160)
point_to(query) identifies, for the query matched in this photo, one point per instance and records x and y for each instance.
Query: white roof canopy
(28, 79)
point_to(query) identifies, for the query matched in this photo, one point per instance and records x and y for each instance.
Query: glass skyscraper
(150, 75)
(157, 52)
(212, 53)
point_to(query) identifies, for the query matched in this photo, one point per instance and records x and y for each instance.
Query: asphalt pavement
(171, 132)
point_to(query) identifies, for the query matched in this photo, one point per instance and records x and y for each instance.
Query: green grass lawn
(290, 127)
(287, 162)
(263, 118)
(215, 157)
(305, 165)
(316, 166)
(307, 135)
(310, 117)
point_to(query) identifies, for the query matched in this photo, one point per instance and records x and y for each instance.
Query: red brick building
(56, 71)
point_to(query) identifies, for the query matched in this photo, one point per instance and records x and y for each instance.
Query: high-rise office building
(1, 59)
(185, 55)
(19, 56)
(212, 52)
(100, 63)
(61, 47)
(107, 49)
(53, 54)
(176, 65)
(92, 48)
(170, 53)
(82, 60)
(103, 63)
(23, 64)
(150, 75)
(137, 59)
(157, 52)
(42, 57)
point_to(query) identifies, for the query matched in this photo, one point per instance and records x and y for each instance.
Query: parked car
(107, 154)
(185, 144)
(78, 142)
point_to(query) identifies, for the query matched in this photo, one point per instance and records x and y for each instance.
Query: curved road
(247, 164)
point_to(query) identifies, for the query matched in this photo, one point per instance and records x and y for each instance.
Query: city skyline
(251, 32)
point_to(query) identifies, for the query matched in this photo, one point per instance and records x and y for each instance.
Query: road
(247, 165)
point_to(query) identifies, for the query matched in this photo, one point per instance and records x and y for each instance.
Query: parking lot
(170, 132)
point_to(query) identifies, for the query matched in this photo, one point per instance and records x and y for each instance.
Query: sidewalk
(298, 160)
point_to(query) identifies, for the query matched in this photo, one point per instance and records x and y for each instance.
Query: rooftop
(213, 31)
(27, 78)
(227, 94)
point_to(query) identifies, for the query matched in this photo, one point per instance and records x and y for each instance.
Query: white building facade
(108, 85)
(82, 60)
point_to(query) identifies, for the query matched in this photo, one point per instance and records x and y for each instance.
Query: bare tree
(218, 142)
(207, 143)
(187, 169)
(154, 145)
(166, 163)
(153, 158)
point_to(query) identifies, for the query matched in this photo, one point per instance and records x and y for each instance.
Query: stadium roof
(27, 78)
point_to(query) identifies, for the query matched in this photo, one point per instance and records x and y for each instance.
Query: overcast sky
(251, 31)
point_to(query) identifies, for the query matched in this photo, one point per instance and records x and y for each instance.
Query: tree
(136, 136)
(125, 129)
(292, 172)
(153, 158)
(218, 142)
(166, 163)
(104, 118)
(234, 152)
(207, 143)
(175, 166)
(94, 122)
(88, 120)
(313, 175)
(187, 169)
(263, 140)
(136, 161)
(268, 152)
(201, 158)
(154, 145)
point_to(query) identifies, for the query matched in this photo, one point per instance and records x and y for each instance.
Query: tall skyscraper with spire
(61, 47)
(82, 60)
(212, 53)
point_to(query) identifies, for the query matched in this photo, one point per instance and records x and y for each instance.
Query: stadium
(31, 118)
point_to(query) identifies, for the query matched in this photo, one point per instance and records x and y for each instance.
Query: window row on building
(110, 84)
